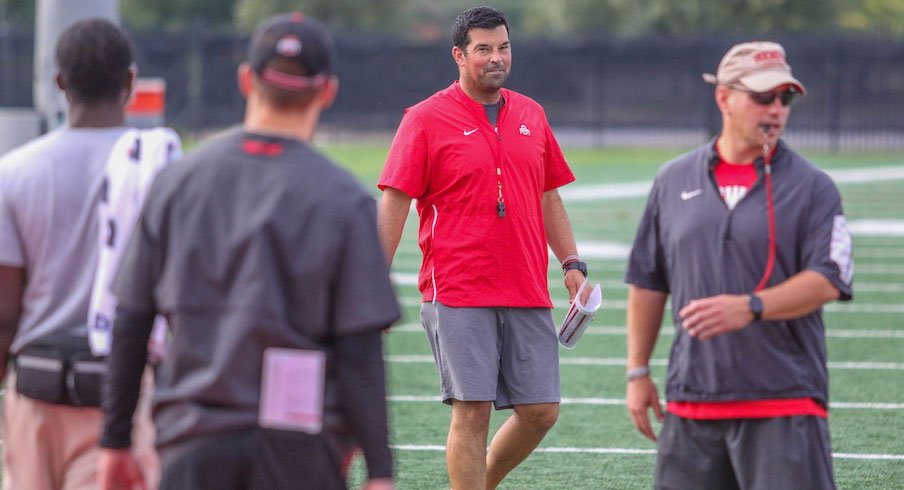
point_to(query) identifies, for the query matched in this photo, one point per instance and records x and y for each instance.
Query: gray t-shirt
(49, 192)
(250, 242)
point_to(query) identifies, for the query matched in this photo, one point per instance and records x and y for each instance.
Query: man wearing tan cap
(750, 240)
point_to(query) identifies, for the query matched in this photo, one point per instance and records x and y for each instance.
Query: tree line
(430, 19)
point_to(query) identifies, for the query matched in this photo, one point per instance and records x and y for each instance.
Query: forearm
(394, 208)
(644, 317)
(9, 325)
(362, 383)
(122, 385)
(12, 283)
(800, 295)
(558, 228)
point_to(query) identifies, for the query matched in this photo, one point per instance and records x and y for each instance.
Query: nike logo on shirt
(468, 133)
(685, 195)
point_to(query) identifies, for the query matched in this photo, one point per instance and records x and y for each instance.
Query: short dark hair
(94, 56)
(475, 17)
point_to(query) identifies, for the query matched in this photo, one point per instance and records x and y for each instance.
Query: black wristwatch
(756, 306)
(577, 264)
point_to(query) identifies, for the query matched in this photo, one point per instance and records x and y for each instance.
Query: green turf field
(594, 445)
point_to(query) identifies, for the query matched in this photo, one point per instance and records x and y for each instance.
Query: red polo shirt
(448, 157)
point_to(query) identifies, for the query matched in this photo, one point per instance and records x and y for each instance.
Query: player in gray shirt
(257, 245)
(50, 189)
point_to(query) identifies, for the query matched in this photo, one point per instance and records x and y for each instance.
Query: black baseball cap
(299, 39)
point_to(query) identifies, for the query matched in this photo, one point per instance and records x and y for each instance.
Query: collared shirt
(691, 245)
(448, 156)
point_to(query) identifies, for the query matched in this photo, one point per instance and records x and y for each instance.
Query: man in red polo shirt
(484, 167)
(750, 241)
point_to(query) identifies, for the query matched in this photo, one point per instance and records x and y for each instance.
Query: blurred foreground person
(50, 193)
(263, 256)
(750, 240)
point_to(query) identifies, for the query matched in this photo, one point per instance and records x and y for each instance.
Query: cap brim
(710, 78)
(767, 81)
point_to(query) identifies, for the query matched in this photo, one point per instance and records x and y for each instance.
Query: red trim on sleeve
(750, 409)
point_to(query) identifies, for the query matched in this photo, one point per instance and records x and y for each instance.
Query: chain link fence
(597, 92)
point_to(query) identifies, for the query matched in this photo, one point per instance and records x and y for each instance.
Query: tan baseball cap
(759, 66)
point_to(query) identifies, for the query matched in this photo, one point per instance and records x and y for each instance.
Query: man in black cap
(264, 257)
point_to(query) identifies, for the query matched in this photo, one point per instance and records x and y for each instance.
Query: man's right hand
(642, 396)
(379, 484)
(118, 470)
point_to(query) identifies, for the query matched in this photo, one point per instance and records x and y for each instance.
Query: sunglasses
(766, 98)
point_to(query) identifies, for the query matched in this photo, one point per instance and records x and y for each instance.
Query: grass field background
(594, 445)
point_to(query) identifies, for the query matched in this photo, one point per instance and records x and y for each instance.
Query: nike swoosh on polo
(468, 133)
(685, 195)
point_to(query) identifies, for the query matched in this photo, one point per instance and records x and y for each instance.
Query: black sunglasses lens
(763, 98)
(766, 98)
(787, 97)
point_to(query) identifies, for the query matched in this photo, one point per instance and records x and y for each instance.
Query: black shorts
(252, 459)
(750, 454)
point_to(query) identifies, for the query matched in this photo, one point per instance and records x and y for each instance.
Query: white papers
(292, 390)
(579, 315)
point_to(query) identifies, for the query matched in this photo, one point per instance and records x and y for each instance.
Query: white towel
(134, 162)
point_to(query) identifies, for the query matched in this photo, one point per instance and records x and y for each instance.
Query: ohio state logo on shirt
(734, 181)
(732, 194)
(523, 130)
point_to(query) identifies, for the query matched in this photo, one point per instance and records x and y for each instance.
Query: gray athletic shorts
(509, 356)
(753, 454)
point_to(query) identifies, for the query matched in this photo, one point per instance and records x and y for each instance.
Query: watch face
(756, 305)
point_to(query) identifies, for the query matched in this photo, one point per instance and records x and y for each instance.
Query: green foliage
(641, 17)
(885, 17)
(17, 12)
(346, 15)
(176, 14)
(431, 19)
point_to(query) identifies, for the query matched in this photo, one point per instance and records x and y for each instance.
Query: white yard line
(878, 253)
(621, 402)
(618, 361)
(608, 192)
(877, 287)
(866, 175)
(877, 269)
(666, 331)
(622, 304)
(623, 450)
(877, 227)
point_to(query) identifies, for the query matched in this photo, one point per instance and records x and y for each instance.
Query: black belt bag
(60, 369)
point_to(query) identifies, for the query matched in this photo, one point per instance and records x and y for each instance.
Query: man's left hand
(379, 484)
(118, 470)
(706, 318)
(573, 280)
